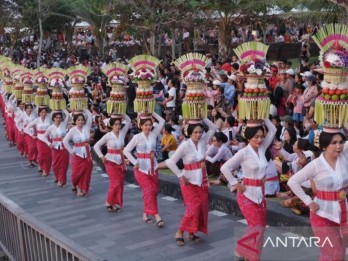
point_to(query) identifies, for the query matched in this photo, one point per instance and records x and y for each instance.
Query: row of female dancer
(49, 143)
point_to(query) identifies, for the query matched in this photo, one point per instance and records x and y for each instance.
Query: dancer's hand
(314, 207)
(103, 159)
(184, 180)
(239, 187)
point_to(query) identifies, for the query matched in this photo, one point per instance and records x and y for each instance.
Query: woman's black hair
(28, 105)
(105, 114)
(113, 120)
(19, 102)
(220, 137)
(143, 121)
(191, 127)
(250, 132)
(268, 154)
(76, 116)
(217, 116)
(175, 119)
(55, 114)
(231, 120)
(293, 138)
(41, 109)
(325, 139)
(303, 144)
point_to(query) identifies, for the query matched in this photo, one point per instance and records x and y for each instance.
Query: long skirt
(20, 141)
(250, 245)
(81, 172)
(116, 177)
(196, 213)
(10, 129)
(149, 187)
(60, 164)
(44, 157)
(30, 144)
(332, 245)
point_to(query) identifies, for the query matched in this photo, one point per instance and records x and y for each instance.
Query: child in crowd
(296, 98)
(168, 141)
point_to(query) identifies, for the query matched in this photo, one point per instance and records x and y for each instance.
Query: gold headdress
(331, 108)
(41, 98)
(144, 67)
(117, 74)
(56, 81)
(192, 66)
(254, 104)
(78, 78)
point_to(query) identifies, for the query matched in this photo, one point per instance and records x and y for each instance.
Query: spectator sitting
(168, 142)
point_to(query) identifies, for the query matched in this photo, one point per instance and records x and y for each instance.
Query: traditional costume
(146, 173)
(53, 137)
(115, 164)
(81, 160)
(331, 110)
(40, 125)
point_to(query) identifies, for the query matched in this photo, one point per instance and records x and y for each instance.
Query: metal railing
(24, 238)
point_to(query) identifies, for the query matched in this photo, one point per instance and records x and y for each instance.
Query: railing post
(21, 239)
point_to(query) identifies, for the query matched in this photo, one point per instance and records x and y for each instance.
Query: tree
(318, 11)
(46, 13)
(151, 17)
(99, 14)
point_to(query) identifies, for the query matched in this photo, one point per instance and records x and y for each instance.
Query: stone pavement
(123, 236)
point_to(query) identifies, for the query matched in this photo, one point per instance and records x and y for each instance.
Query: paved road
(123, 236)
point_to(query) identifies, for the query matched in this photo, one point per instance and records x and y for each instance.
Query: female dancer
(328, 210)
(114, 161)
(41, 124)
(193, 180)
(30, 143)
(60, 156)
(145, 166)
(9, 120)
(250, 197)
(19, 137)
(81, 161)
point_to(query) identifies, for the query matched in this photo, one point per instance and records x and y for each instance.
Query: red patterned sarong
(326, 229)
(10, 129)
(20, 141)
(250, 245)
(81, 172)
(60, 164)
(30, 145)
(196, 213)
(116, 177)
(149, 187)
(44, 158)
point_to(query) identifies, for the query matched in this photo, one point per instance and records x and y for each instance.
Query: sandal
(148, 221)
(179, 241)
(160, 223)
(110, 209)
(30, 165)
(74, 190)
(195, 238)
